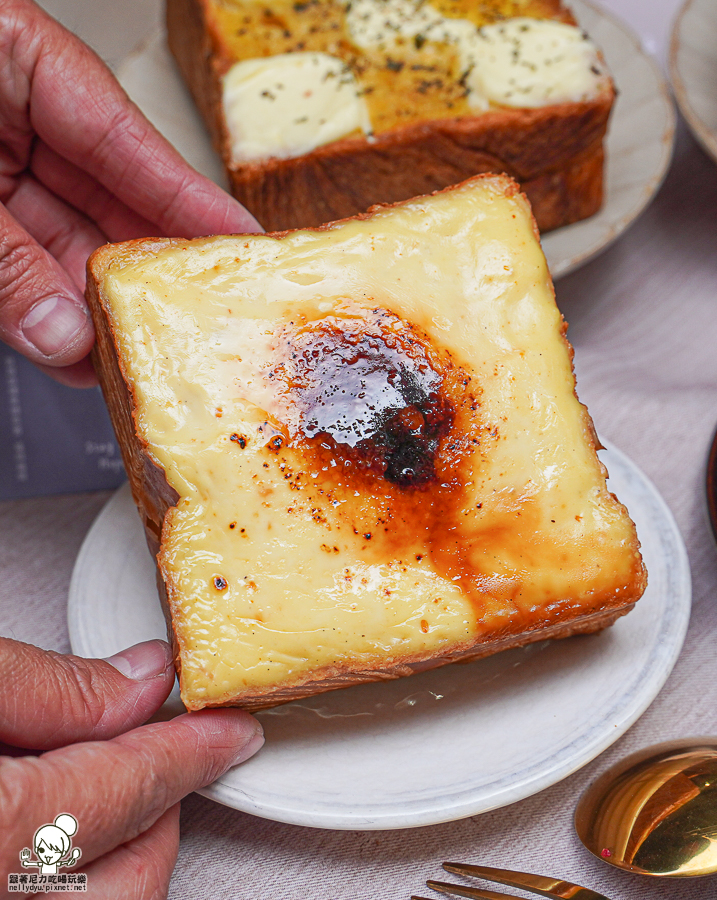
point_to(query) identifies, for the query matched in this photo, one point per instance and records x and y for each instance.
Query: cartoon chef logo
(52, 845)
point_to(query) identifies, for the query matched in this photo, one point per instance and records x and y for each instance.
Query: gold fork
(554, 888)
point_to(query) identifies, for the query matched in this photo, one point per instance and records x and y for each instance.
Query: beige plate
(639, 145)
(693, 69)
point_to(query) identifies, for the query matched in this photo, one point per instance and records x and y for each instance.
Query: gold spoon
(655, 813)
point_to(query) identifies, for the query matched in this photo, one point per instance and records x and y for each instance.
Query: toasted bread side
(554, 152)
(159, 486)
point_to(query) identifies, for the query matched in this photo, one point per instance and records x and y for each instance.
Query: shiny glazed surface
(436, 487)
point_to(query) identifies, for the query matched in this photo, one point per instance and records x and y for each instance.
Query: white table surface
(643, 320)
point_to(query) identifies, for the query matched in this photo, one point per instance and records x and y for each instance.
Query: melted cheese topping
(522, 62)
(288, 557)
(528, 63)
(391, 23)
(400, 52)
(286, 105)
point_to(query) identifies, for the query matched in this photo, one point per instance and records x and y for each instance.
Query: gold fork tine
(554, 888)
(471, 892)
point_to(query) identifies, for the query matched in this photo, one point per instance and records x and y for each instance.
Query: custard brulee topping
(374, 439)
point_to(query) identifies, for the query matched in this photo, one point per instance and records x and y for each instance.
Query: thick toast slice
(357, 450)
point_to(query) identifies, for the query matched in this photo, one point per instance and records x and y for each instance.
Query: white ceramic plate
(437, 746)
(639, 144)
(693, 69)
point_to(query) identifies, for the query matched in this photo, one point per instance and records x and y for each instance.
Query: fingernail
(255, 742)
(143, 661)
(52, 324)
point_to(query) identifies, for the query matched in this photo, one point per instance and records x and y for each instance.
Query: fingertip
(211, 210)
(59, 329)
(251, 746)
(233, 730)
(141, 662)
(240, 220)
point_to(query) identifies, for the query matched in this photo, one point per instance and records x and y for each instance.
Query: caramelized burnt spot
(371, 393)
(381, 432)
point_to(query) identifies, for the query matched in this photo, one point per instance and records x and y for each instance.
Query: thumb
(49, 700)
(42, 313)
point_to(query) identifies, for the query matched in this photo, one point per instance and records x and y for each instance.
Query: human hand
(79, 166)
(121, 780)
